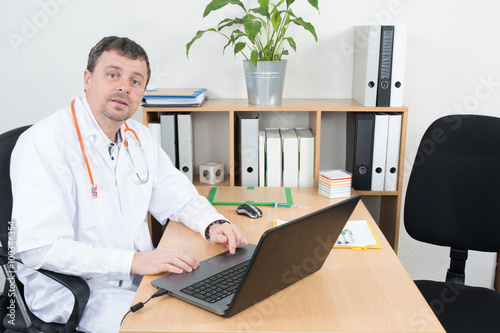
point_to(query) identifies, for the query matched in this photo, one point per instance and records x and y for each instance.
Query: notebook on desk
(283, 256)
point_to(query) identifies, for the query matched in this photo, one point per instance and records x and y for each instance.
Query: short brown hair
(126, 47)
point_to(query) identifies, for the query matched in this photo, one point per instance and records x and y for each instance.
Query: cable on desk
(140, 305)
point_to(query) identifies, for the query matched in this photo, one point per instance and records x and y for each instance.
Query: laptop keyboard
(218, 286)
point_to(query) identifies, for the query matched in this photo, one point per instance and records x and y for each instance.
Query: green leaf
(198, 35)
(290, 12)
(292, 43)
(228, 23)
(279, 3)
(254, 57)
(260, 11)
(314, 3)
(276, 20)
(289, 3)
(252, 27)
(264, 4)
(306, 25)
(218, 4)
(230, 41)
(237, 34)
(239, 47)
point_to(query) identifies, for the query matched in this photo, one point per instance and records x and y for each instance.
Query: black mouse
(249, 210)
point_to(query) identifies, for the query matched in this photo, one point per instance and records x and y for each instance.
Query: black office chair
(25, 321)
(452, 200)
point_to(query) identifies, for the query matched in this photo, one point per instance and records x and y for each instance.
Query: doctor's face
(115, 87)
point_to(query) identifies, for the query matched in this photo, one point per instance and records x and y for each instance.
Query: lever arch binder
(247, 147)
(398, 65)
(379, 151)
(393, 148)
(169, 137)
(366, 60)
(359, 148)
(185, 144)
(385, 66)
(306, 156)
(262, 157)
(273, 158)
(290, 161)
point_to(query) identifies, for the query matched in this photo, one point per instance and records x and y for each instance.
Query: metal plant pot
(265, 83)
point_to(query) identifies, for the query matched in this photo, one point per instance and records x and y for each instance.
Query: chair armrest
(4, 256)
(81, 292)
(78, 287)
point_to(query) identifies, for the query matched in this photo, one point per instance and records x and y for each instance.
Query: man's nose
(123, 85)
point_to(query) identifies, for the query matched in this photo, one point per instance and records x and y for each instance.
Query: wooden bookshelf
(314, 110)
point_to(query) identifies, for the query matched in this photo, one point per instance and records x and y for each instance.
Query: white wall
(452, 65)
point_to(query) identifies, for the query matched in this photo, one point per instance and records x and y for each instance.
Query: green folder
(258, 196)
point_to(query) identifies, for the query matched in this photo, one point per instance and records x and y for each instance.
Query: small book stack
(334, 183)
(174, 97)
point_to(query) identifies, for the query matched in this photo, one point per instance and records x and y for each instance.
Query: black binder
(385, 65)
(359, 153)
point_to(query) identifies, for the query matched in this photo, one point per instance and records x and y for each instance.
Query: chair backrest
(7, 142)
(452, 197)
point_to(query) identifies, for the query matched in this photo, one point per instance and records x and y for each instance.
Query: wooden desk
(355, 291)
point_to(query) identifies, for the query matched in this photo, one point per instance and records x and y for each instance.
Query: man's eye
(135, 82)
(112, 75)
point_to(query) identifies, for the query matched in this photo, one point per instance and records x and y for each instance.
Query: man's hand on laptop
(229, 235)
(163, 259)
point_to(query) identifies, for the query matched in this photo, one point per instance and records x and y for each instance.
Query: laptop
(228, 284)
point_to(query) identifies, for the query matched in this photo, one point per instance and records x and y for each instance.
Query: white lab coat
(61, 227)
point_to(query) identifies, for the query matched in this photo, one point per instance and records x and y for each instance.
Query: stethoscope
(142, 179)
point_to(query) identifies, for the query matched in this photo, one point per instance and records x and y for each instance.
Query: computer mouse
(249, 210)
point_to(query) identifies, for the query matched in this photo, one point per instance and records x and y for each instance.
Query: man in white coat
(83, 181)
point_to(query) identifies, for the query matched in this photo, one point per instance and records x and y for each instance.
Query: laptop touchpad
(227, 259)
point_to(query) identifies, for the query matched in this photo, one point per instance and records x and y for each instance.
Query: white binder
(306, 157)
(169, 137)
(398, 65)
(273, 157)
(155, 129)
(393, 147)
(185, 140)
(379, 151)
(366, 61)
(262, 158)
(248, 148)
(290, 146)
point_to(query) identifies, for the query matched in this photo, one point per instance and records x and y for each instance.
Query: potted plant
(260, 35)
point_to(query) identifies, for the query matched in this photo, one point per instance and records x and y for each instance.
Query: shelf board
(196, 181)
(379, 193)
(291, 104)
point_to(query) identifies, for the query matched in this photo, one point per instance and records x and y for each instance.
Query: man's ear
(87, 77)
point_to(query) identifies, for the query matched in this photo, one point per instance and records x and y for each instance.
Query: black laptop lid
(308, 239)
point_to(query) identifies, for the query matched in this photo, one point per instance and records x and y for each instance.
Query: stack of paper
(358, 235)
(334, 183)
(174, 97)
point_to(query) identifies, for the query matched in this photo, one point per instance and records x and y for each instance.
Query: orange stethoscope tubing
(93, 185)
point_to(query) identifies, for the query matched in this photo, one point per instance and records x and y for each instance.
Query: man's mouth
(120, 101)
